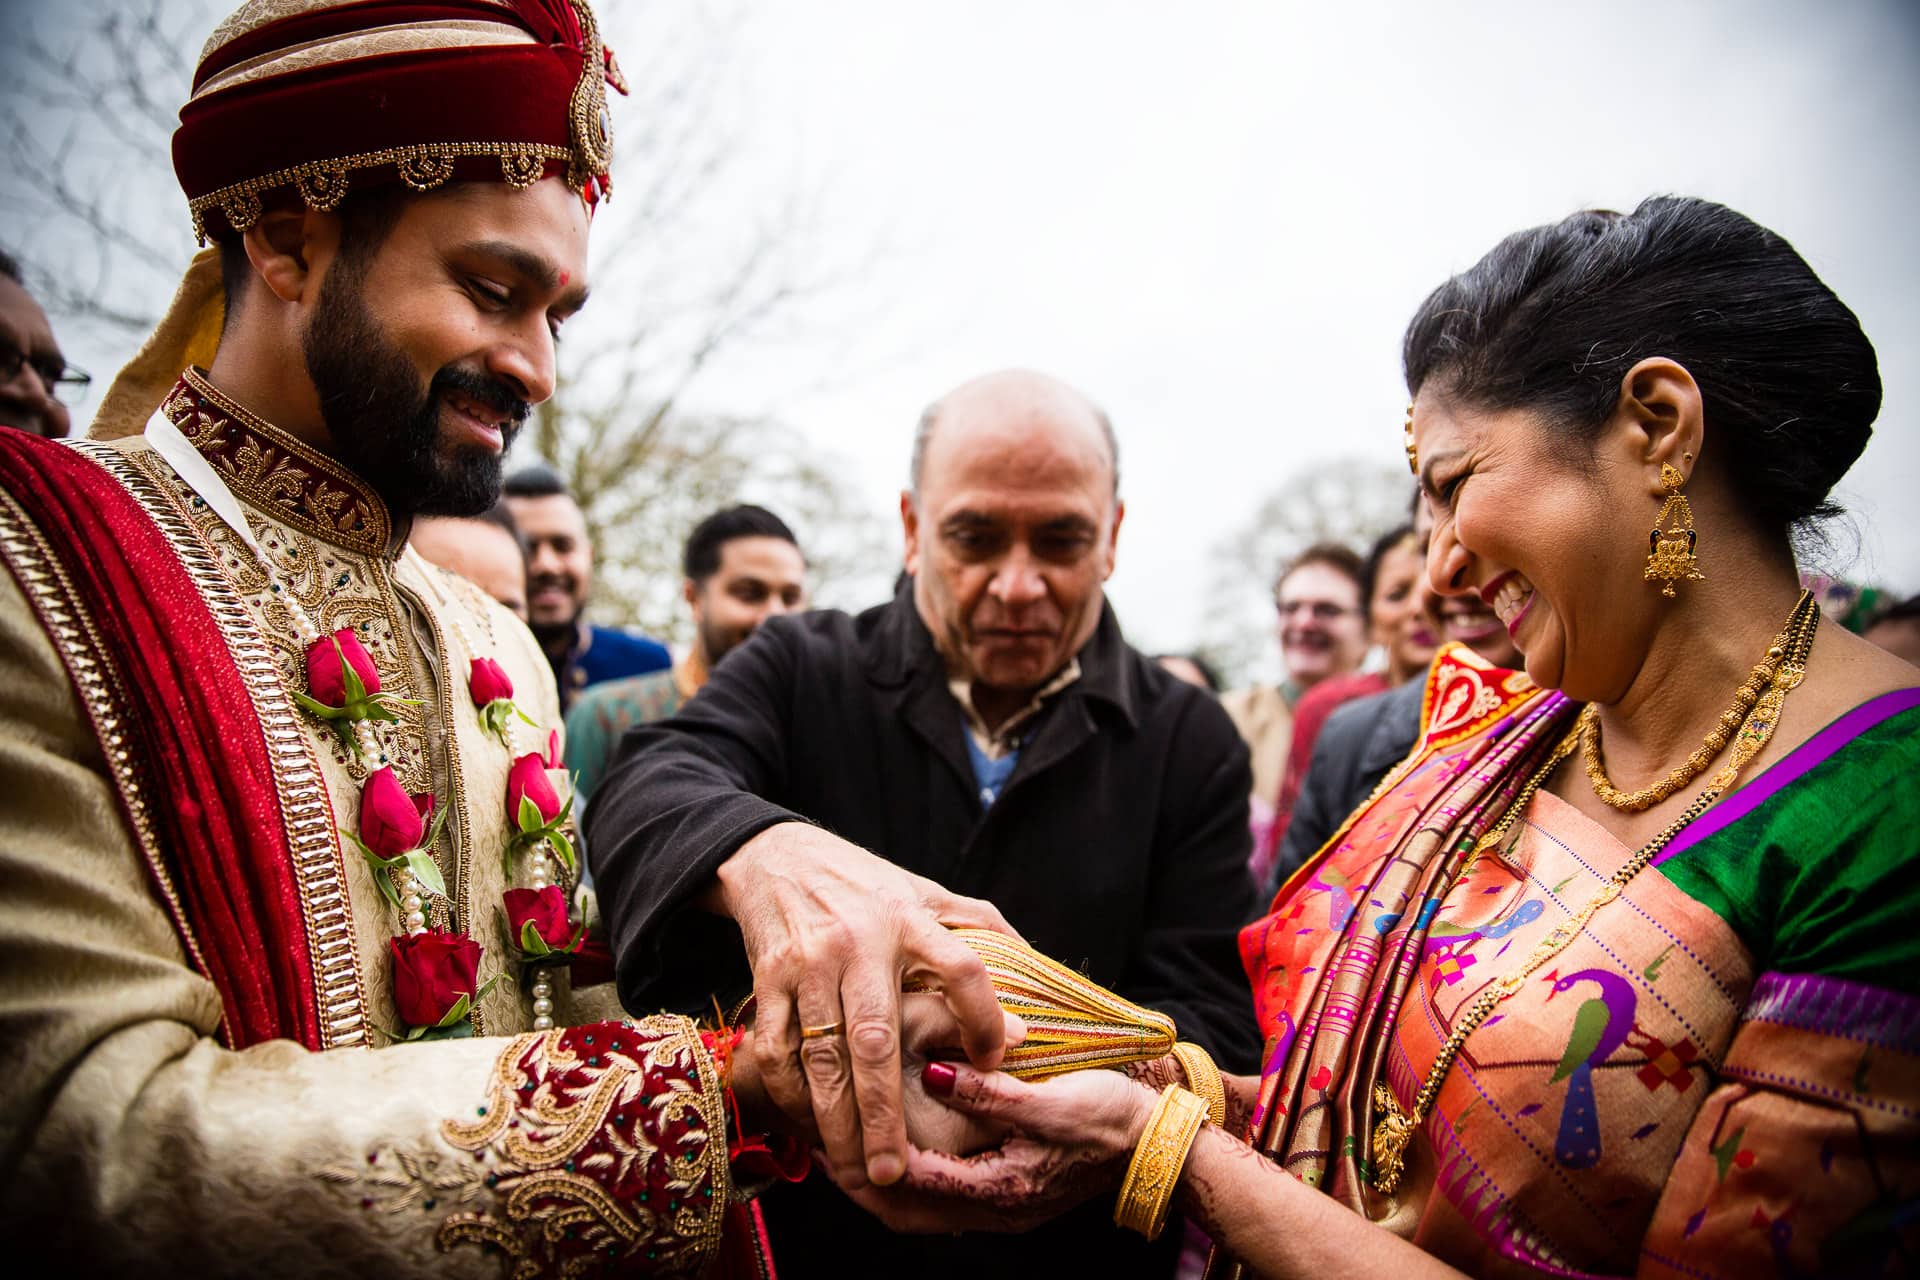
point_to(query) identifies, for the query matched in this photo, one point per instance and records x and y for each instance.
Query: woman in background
(1400, 629)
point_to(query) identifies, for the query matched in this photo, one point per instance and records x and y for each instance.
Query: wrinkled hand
(832, 933)
(1073, 1137)
(929, 1033)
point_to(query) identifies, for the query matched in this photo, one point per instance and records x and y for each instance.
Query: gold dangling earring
(1406, 438)
(1670, 549)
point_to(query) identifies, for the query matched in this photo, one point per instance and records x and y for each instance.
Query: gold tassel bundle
(1073, 1022)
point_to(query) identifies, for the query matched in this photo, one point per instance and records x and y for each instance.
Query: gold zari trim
(565, 1121)
(422, 166)
(306, 812)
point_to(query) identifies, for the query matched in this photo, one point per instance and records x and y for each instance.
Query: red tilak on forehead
(565, 277)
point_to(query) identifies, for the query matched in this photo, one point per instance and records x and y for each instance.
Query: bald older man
(991, 732)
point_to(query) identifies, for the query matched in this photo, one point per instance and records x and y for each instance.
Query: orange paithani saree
(1719, 1076)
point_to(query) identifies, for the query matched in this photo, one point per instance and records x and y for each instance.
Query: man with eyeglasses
(1322, 633)
(33, 373)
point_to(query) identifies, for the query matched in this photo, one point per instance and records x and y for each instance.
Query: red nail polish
(938, 1078)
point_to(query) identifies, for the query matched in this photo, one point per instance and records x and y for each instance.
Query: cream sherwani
(128, 1131)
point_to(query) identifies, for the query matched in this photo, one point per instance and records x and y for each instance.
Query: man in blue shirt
(559, 575)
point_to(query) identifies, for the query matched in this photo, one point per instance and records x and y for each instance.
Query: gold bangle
(1204, 1079)
(1155, 1168)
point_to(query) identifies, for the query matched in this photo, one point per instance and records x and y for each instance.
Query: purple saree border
(1796, 764)
(1837, 1007)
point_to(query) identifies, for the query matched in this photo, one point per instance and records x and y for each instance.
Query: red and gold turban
(314, 97)
(308, 99)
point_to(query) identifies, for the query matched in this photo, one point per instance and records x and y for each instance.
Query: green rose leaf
(563, 847)
(531, 942)
(530, 820)
(462, 1030)
(425, 870)
(461, 1008)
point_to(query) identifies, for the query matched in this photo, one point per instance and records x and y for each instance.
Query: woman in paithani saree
(1618, 973)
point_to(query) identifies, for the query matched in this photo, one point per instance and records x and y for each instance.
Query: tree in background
(92, 209)
(693, 265)
(1348, 500)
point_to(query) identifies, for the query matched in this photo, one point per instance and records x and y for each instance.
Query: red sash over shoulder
(189, 734)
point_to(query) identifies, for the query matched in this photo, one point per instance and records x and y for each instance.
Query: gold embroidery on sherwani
(378, 588)
(329, 537)
(306, 811)
(588, 1130)
(275, 472)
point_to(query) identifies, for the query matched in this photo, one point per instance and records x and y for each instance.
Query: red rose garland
(343, 686)
(436, 979)
(492, 693)
(436, 975)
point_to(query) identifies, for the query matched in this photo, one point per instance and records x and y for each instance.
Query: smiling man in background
(559, 578)
(1322, 633)
(990, 730)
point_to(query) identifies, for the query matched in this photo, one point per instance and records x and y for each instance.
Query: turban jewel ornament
(306, 100)
(312, 98)
(1073, 1023)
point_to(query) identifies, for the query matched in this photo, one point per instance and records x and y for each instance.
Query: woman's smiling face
(1550, 540)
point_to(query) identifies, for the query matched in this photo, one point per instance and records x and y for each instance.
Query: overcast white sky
(1216, 218)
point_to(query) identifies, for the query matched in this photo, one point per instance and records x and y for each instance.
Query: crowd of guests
(955, 936)
(1352, 626)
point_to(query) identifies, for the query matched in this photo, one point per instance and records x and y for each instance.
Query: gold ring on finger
(821, 1032)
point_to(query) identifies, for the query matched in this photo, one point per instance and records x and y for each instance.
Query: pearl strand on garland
(539, 868)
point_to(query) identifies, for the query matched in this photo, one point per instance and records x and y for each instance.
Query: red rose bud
(546, 909)
(391, 821)
(553, 748)
(326, 676)
(487, 682)
(528, 779)
(431, 971)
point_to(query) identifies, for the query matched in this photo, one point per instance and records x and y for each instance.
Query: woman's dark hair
(1370, 570)
(1553, 318)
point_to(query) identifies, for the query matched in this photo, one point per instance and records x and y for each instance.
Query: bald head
(1010, 531)
(1013, 402)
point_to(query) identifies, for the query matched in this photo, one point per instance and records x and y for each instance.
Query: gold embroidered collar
(271, 471)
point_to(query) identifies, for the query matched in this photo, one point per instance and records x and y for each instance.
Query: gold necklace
(1394, 1128)
(1744, 699)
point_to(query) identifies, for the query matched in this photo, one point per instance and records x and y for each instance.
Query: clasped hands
(914, 1134)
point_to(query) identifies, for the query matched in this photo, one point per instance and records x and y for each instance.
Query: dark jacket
(1358, 744)
(1118, 845)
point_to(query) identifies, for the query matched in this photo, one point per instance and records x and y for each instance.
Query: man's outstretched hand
(832, 933)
